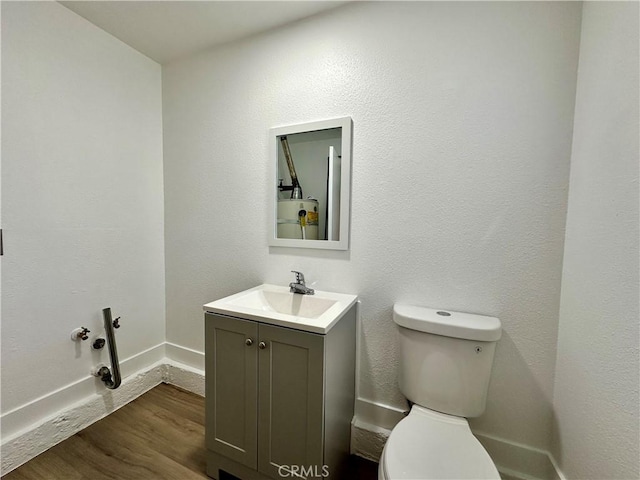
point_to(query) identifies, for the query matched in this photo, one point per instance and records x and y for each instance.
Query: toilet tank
(446, 358)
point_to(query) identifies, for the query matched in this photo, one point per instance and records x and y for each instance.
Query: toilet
(445, 366)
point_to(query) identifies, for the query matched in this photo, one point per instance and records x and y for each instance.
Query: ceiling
(167, 30)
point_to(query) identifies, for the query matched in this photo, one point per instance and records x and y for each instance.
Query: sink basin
(307, 306)
(275, 305)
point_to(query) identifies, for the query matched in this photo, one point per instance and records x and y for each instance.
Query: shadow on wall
(511, 372)
(379, 347)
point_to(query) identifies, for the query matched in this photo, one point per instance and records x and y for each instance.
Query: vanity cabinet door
(290, 418)
(231, 387)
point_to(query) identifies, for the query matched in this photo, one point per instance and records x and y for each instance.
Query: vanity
(280, 383)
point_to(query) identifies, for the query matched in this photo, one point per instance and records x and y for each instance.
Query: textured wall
(81, 196)
(596, 386)
(462, 119)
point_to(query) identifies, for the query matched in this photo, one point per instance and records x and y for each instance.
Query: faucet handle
(299, 276)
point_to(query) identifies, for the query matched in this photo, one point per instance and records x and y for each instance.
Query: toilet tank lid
(467, 326)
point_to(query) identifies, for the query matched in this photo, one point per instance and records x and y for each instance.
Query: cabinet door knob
(248, 342)
(262, 345)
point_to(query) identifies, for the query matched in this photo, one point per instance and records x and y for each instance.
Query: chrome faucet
(299, 286)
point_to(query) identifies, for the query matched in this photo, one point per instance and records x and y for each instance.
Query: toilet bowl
(432, 445)
(445, 367)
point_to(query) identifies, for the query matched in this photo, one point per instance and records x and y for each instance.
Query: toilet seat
(432, 445)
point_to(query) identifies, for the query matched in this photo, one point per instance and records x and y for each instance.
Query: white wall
(81, 196)
(596, 386)
(462, 118)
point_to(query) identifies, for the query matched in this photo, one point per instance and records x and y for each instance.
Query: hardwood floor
(160, 435)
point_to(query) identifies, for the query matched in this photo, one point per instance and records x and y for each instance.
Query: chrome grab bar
(111, 379)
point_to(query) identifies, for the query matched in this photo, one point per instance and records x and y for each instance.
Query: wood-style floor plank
(160, 435)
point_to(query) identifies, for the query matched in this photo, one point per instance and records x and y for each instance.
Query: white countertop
(275, 305)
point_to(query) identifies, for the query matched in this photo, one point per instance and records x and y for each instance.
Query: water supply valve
(99, 370)
(80, 334)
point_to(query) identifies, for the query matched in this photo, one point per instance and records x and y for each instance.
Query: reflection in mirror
(309, 185)
(312, 164)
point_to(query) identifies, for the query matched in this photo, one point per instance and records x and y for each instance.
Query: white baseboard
(31, 441)
(517, 460)
(185, 356)
(37, 426)
(25, 416)
(185, 368)
(368, 440)
(373, 422)
(374, 413)
(371, 426)
(184, 376)
(561, 476)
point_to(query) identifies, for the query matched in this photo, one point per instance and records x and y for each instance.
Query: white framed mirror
(311, 177)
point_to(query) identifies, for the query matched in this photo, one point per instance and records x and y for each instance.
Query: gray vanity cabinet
(231, 388)
(277, 397)
(290, 375)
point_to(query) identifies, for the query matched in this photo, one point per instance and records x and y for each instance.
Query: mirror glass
(311, 184)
